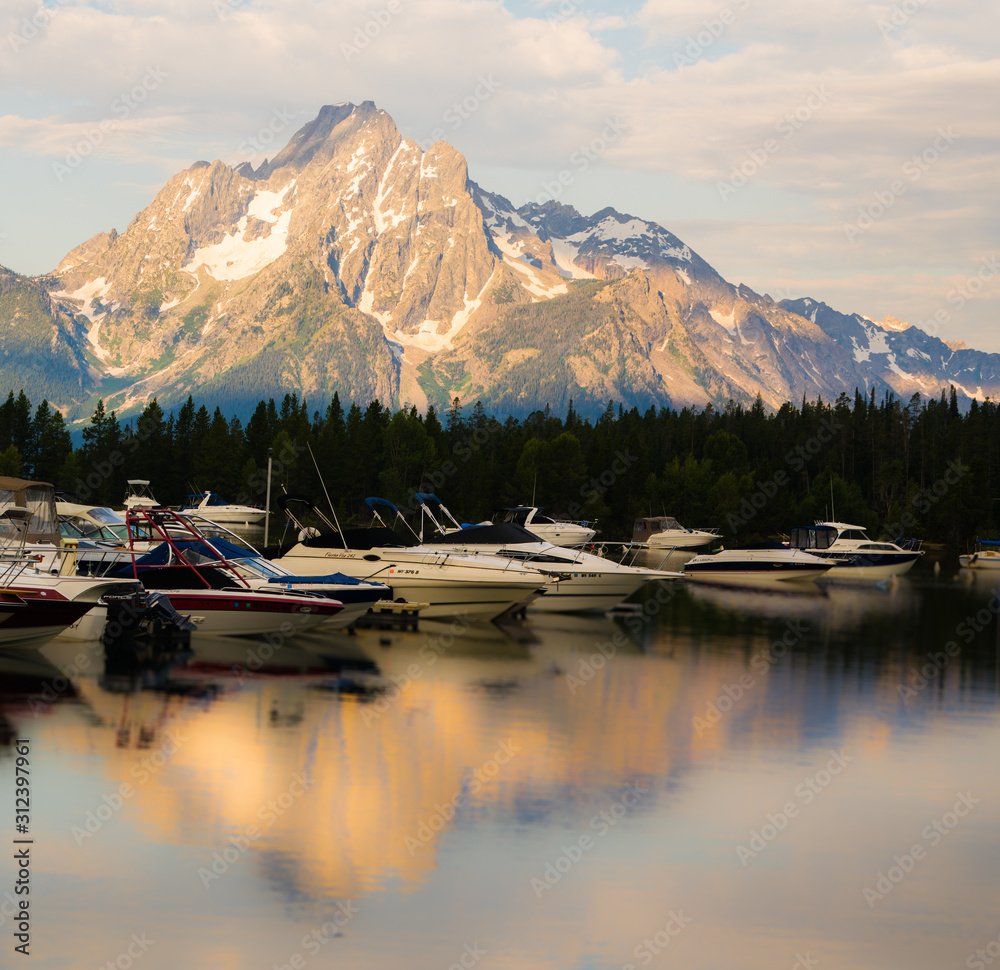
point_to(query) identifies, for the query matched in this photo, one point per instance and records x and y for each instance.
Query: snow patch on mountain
(728, 321)
(564, 255)
(89, 294)
(237, 257)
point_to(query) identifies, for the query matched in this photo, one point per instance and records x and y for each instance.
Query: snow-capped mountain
(355, 261)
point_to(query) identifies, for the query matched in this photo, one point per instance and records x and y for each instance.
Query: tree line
(918, 468)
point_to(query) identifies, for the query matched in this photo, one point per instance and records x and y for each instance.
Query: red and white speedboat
(209, 593)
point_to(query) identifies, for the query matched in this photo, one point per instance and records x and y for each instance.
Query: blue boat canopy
(374, 502)
(812, 537)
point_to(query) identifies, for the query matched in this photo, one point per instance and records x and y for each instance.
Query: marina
(735, 770)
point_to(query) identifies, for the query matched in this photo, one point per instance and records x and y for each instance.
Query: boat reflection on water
(462, 762)
(838, 607)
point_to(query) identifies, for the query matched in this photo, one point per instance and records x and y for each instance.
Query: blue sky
(845, 150)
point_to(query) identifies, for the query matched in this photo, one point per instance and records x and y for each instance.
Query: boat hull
(680, 540)
(226, 613)
(743, 577)
(854, 566)
(980, 560)
(449, 588)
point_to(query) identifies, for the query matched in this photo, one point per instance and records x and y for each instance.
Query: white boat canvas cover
(40, 499)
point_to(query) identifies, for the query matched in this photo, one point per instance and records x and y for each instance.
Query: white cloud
(691, 125)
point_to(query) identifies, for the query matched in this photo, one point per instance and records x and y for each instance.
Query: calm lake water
(722, 780)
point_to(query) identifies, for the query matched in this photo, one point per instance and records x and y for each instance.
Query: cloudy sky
(845, 150)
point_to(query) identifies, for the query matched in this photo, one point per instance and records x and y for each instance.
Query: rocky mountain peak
(355, 261)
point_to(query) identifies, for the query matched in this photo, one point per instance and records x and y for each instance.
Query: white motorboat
(597, 584)
(665, 532)
(216, 509)
(559, 532)
(451, 585)
(139, 496)
(853, 554)
(985, 556)
(762, 565)
(91, 521)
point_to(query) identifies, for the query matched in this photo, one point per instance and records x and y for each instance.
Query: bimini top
(40, 499)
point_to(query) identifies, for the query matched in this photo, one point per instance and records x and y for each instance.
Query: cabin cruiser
(757, 565)
(853, 554)
(597, 585)
(452, 585)
(665, 532)
(557, 531)
(216, 509)
(985, 556)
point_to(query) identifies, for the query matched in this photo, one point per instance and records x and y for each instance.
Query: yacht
(557, 531)
(758, 565)
(985, 556)
(216, 509)
(450, 584)
(597, 585)
(853, 554)
(665, 532)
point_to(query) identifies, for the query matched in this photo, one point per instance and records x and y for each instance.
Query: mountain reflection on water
(544, 795)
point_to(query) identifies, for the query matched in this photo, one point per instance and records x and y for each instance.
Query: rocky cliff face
(354, 261)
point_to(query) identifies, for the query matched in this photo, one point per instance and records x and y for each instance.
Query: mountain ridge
(355, 261)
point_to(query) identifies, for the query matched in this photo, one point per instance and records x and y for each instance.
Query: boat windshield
(107, 517)
(260, 568)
